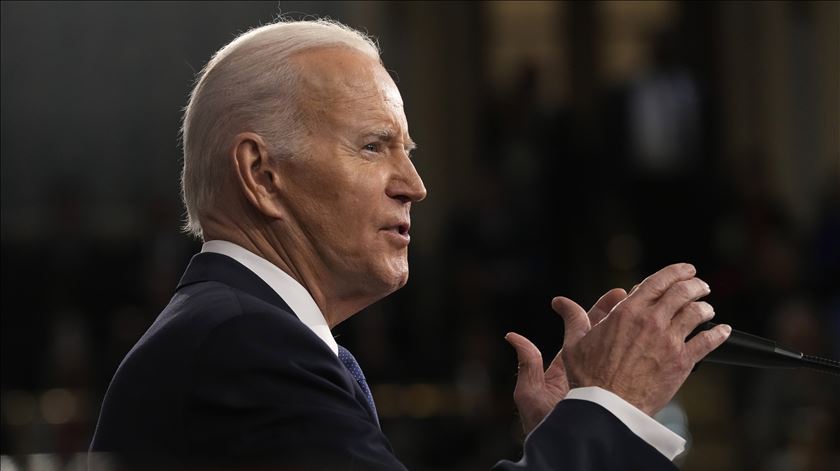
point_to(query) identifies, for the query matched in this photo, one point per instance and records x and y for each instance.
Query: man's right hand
(639, 350)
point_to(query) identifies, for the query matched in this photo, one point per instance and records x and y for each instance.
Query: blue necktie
(356, 371)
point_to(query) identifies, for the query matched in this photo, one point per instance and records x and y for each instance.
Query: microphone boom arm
(750, 350)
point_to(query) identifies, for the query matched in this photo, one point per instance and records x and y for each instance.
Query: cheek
(333, 208)
(348, 207)
(353, 228)
(362, 207)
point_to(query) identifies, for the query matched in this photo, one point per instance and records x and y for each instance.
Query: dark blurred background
(568, 147)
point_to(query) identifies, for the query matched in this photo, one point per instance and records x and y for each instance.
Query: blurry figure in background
(655, 126)
(795, 413)
(665, 114)
(297, 177)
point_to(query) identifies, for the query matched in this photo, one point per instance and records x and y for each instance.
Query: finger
(574, 317)
(692, 315)
(680, 294)
(530, 361)
(604, 305)
(654, 286)
(701, 344)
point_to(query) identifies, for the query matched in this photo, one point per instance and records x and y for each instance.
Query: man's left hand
(538, 391)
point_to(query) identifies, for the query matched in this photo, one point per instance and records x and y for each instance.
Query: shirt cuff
(655, 434)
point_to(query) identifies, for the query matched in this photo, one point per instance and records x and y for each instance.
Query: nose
(406, 186)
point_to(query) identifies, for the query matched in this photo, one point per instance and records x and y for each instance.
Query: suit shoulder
(225, 324)
(203, 306)
(152, 383)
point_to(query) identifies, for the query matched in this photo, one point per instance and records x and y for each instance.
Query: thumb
(574, 317)
(530, 361)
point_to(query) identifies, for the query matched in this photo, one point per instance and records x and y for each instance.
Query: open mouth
(399, 230)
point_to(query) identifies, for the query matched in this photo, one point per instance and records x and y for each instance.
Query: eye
(373, 147)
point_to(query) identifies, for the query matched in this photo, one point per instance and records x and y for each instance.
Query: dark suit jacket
(227, 375)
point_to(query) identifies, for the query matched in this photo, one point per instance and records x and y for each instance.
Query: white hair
(250, 85)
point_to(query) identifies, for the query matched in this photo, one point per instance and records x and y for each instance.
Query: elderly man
(297, 175)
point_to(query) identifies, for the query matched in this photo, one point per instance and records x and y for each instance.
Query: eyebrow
(388, 136)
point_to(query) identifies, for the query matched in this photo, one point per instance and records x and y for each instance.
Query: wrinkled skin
(630, 344)
(336, 217)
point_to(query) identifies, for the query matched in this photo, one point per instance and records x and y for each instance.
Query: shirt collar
(287, 287)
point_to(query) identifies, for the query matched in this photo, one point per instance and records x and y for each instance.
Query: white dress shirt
(300, 301)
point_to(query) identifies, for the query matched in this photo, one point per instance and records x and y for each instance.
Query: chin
(396, 281)
(384, 277)
(396, 278)
(402, 281)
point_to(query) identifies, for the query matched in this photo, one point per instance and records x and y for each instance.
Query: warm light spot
(421, 400)
(386, 397)
(58, 406)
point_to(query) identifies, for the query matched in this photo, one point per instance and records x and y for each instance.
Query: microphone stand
(751, 350)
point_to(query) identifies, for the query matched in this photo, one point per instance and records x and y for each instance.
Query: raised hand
(639, 351)
(537, 390)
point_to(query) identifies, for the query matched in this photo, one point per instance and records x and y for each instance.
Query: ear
(257, 177)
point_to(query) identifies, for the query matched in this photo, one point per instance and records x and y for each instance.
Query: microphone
(750, 350)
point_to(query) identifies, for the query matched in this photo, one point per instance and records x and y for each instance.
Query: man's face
(350, 193)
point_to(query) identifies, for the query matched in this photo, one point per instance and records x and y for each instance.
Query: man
(297, 175)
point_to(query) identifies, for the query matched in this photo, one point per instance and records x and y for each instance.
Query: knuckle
(696, 309)
(679, 361)
(656, 285)
(674, 346)
(674, 270)
(693, 309)
(683, 362)
(706, 310)
(662, 280)
(679, 343)
(708, 341)
(658, 322)
(684, 289)
(622, 310)
(684, 268)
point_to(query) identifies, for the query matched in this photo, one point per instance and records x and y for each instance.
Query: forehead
(348, 85)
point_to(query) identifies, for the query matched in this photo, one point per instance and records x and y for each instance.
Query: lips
(400, 227)
(399, 230)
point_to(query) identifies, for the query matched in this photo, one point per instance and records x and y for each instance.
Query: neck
(281, 252)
